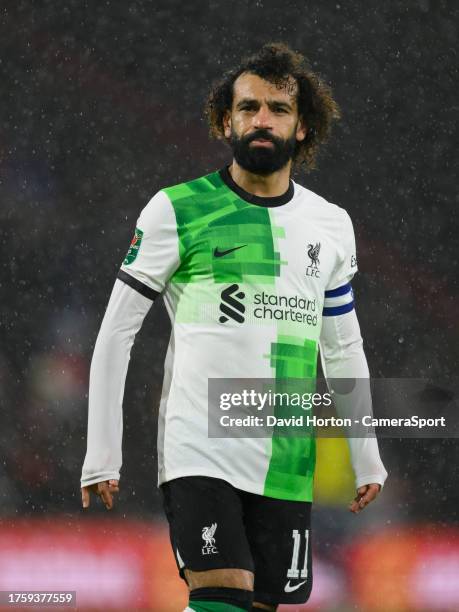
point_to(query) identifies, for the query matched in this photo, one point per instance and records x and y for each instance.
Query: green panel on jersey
(290, 472)
(211, 219)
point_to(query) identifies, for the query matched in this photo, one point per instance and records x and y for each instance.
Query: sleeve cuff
(370, 479)
(86, 482)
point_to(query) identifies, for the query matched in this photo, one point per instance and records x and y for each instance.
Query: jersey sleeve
(123, 318)
(343, 357)
(339, 297)
(346, 264)
(153, 254)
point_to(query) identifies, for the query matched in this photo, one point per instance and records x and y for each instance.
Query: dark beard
(259, 159)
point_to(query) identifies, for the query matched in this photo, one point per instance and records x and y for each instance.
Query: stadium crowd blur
(102, 107)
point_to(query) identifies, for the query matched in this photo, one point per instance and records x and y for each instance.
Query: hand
(365, 495)
(104, 490)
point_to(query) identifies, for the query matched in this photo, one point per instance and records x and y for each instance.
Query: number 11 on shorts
(294, 572)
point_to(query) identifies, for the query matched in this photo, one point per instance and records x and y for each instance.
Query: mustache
(262, 134)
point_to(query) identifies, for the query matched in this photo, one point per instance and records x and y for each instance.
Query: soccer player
(255, 272)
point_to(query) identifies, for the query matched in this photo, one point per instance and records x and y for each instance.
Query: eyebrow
(271, 103)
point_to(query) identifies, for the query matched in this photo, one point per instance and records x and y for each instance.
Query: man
(222, 250)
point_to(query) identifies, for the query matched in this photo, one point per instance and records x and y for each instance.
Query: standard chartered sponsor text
(285, 308)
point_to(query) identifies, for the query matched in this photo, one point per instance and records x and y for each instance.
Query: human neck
(269, 186)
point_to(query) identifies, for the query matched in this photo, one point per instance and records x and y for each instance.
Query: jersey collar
(252, 198)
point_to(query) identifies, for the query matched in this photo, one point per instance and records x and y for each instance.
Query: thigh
(279, 535)
(206, 524)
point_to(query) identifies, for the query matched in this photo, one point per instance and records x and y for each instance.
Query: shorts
(213, 525)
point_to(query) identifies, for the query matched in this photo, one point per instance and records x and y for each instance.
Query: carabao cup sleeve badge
(134, 247)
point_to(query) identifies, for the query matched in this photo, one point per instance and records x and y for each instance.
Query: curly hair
(278, 64)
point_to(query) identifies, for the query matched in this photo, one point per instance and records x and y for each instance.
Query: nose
(263, 118)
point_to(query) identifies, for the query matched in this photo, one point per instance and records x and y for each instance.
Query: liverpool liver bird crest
(313, 252)
(208, 534)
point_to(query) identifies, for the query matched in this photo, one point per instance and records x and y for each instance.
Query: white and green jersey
(244, 280)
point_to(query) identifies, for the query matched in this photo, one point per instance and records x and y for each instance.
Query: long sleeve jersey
(253, 286)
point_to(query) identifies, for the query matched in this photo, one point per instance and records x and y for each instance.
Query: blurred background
(101, 106)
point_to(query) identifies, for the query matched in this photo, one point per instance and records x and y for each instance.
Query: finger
(354, 506)
(85, 497)
(106, 495)
(369, 496)
(113, 486)
(365, 495)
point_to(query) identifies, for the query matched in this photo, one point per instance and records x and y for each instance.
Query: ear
(301, 129)
(227, 124)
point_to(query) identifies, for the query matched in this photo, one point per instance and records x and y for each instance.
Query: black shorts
(214, 525)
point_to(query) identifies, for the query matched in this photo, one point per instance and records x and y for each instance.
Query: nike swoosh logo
(218, 253)
(288, 588)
